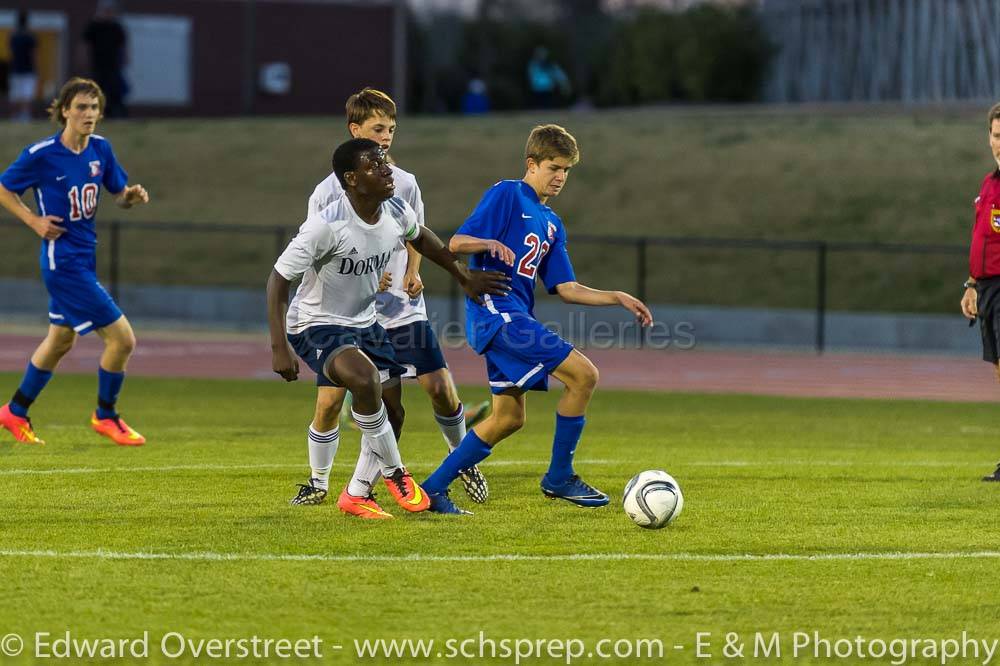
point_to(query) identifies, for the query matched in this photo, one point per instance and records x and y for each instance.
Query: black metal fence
(737, 272)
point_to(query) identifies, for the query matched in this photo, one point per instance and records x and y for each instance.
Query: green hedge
(704, 54)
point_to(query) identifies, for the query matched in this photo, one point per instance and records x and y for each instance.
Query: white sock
(452, 427)
(366, 472)
(378, 432)
(322, 450)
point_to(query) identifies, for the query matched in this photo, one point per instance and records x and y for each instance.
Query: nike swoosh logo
(60, 177)
(418, 496)
(527, 217)
(371, 509)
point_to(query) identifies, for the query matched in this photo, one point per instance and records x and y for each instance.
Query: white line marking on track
(501, 557)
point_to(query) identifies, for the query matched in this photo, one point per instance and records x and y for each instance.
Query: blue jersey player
(512, 229)
(66, 172)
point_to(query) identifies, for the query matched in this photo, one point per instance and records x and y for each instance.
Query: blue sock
(470, 452)
(568, 431)
(32, 384)
(109, 385)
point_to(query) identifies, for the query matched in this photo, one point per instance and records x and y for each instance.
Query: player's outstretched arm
(283, 361)
(475, 283)
(132, 195)
(46, 226)
(462, 244)
(574, 292)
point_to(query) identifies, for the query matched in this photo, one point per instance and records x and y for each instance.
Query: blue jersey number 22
(536, 251)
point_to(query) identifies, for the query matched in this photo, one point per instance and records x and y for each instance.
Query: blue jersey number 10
(82, 202)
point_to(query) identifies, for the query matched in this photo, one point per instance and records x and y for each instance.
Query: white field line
(223, 467)
(489, 464)
(499, 557)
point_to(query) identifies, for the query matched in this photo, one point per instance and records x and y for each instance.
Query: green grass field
(775, 478)
(890, 176)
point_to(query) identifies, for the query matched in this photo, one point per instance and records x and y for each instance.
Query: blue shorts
(522, 354)
(317, 344)
(416, 348)
(78, 300)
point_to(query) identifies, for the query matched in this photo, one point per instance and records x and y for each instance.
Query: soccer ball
(653, 499)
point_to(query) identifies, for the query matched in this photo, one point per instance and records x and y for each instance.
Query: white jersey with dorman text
(393, 307)
(339, 258)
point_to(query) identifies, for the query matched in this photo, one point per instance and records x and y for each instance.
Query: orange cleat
(19, 426)
(365, 508)
(117, 431)
(406, 492)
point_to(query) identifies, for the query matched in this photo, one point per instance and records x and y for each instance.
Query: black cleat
(475, 484)
(995, 476)
(309, 494)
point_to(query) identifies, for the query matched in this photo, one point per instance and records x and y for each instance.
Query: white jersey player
(400, 308)
(341, 290)
(338, 255)
(395, 306)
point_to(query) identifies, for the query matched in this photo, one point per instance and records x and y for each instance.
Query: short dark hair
(22, 18)
(345, 157)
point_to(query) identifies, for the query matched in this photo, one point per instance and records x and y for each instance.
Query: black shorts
(416, 348)
(317, 344)
(988, 304)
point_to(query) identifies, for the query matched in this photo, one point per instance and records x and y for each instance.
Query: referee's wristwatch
(969, 284)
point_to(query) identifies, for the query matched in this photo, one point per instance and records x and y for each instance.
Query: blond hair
(75, 86)
(367, 104)
(547, 142)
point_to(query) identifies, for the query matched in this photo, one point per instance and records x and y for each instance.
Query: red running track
(695, 371)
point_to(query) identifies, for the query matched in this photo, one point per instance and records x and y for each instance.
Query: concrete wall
(678, 326)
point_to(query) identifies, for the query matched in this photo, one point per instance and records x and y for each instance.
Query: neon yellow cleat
(362, 507)
(117, 431)
(406, 492)
(19, 426)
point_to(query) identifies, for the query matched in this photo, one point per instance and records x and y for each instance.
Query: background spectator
(475, 100)
(546, 80)
(108, 45)
(23, 79)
